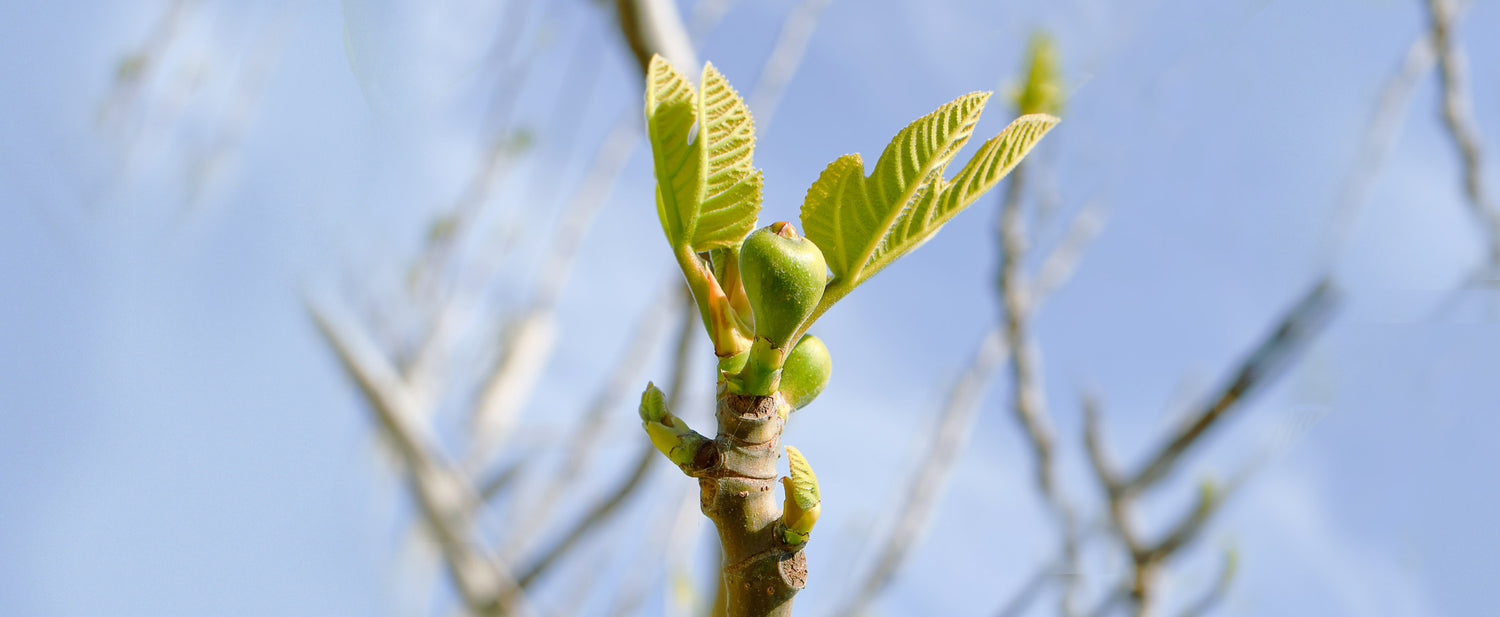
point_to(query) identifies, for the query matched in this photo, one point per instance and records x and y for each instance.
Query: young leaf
(669, 121)
(731, 186)
(864, 224)
(803, 504)
(848, 216)
(803, 482)
(708, 190)
(1043, 90)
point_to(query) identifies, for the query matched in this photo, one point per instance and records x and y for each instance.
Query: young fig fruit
(806, 372)
(784, 275)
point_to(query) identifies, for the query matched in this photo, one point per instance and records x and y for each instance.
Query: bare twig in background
(525, 349)
(1458, 117)
(1028, 402)
(1058, 266)
(118, 107)
(654, 27)
(453, 313)
(1378, 139)
(1220, 588)
(781, 65)
(606, 507)
(956, 419)
(677, 534)
(705, 15)
(449, 500)
(584, 440)
(530, 345)
(1048, 572)
(927, 483)
(1289, 339)
(443, 495)
(491, 489)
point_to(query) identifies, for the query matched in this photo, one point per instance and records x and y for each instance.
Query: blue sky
(176, 440)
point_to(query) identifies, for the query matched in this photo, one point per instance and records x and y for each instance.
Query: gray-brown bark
(737, 475)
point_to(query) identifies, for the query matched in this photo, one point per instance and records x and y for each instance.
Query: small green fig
(805, 372)
(784, 275)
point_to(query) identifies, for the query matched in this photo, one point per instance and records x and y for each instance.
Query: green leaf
(708, 190)
(804, 483)
(863, 224)
(653, 404)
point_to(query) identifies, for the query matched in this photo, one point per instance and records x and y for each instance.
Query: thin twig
(1112, 598)
(1028, 401)
(1458, 117)
(443, 495)
(1058, 266)
(676, 534)
(501, 481)
(1292, 336)
(1049, 571)
(705, 15)
(932, 472)
(525, 350)
(1289, 339)
(606, 507)
(1215, 595)
(786, 56)
(956, 420)
(584, 440)
(1378, 139)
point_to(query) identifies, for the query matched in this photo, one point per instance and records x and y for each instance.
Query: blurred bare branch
(501, 481)
(1215, 594)
(786, 56)
(922, 492)
(655, 27)
(583, 440)
(443, 494)
(1378, 139)
(606, 506)
(1288, 340)
(705, 15)
(525, 349)
(1458, 117)
(956, 419)
(1058, 266)
(1028, 401)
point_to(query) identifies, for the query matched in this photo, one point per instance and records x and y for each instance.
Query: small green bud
(653, 404)
(806, 371)
(803, 503)
(1043, 90)
(784, 275)
(671, 436)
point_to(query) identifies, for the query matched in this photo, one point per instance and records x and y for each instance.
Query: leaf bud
(803, 503)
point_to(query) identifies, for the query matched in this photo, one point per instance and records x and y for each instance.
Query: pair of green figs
(783, 275)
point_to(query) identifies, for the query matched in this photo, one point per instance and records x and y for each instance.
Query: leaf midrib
(945, 154)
